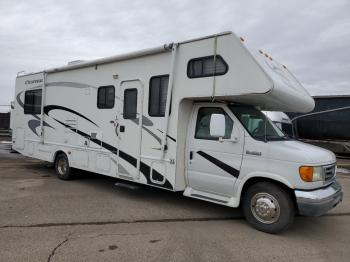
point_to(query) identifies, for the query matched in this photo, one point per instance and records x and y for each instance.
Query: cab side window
(203, 123)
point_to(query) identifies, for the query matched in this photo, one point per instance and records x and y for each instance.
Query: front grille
(329, 172)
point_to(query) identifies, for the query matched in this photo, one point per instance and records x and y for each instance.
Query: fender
(237, 190)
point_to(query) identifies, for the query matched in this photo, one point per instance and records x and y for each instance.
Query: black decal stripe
(152, 134)
(167, 135)
(229, 169)
(34, 123)
(48, 108)
(19, 101)
(144, 168)
(171, 138)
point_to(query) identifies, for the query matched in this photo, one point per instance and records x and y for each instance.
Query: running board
(130, 178)
(210, 197)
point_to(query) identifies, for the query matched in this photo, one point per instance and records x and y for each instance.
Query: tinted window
(158, 90)
(105, 97)
(256, 123)
(203, 123)
(206, 66)
(32, 102)
(130, 103)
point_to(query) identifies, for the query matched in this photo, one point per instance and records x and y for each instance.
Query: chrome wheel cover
(62, 166)
(265, 208)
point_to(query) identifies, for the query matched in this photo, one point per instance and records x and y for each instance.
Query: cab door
(213, 166)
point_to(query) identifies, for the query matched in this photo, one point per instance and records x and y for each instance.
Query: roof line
(126, 56)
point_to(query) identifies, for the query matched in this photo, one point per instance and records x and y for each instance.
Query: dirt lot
(91, 219)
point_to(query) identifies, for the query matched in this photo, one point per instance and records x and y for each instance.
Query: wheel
(62, 167)
(268, 207)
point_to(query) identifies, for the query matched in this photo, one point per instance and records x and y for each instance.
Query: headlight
(311, 173)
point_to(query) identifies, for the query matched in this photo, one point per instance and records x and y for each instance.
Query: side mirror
(217, 125)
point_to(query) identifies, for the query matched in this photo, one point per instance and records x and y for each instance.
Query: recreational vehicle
(184, 116)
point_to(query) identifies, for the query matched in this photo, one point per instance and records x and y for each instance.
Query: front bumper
(319, 201)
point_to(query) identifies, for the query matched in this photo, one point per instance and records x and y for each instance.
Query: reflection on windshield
(257, 124)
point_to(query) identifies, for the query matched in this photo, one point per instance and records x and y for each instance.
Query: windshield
(257, 124)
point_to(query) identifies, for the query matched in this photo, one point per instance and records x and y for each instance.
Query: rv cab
(232, 145)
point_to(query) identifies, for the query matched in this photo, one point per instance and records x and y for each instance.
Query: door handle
(191, 155)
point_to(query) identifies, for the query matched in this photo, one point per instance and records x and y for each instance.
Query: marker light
(311, 173)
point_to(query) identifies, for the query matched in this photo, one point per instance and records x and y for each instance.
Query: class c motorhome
(183, 117)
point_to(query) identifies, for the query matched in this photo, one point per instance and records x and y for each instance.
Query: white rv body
(161, 151)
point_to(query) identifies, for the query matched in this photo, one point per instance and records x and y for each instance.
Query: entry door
(129, 128)
(213, 166)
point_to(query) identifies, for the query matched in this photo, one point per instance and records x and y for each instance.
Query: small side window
(32, 102)
(105, 97)
(158, 90)
(206, 66)
(130, 104)
(203, 123)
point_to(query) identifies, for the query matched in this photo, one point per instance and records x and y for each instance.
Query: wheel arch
(277, 180)
(60, 151)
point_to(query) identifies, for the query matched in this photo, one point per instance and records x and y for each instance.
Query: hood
(295, 151)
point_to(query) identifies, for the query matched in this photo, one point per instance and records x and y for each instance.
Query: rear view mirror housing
(217, 125)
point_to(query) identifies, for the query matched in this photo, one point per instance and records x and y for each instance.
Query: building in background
(328, 125)
(5, 116)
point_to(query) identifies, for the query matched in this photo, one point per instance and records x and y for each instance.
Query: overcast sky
(311, 37)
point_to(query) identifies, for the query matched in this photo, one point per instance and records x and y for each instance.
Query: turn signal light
(306, 173)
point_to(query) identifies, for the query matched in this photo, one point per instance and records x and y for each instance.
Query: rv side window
(205, 66)
(105, 97)
(130, 104)
(158, 90)
(32, 102)
(203, 123)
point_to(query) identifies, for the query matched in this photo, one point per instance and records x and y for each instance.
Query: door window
(130, 103)
(203, 123)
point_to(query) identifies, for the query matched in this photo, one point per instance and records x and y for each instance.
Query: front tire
(62, 168)
(268, 207)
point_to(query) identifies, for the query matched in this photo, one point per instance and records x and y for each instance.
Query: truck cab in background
(282, 121)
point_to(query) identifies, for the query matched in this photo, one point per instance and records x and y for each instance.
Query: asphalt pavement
(92, 219)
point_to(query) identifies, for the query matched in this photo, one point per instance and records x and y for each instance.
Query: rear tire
(62, 168)
(268, 207)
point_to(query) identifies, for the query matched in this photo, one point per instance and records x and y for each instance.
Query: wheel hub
(265, 208)
(62, 166)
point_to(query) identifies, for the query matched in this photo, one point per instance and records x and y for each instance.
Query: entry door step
(214, 198)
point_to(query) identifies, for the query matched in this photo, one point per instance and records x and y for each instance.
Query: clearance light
(261, 52)
(242, 39)
(311, 173)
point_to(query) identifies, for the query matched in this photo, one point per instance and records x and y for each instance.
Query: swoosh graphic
(229, 169)
(48, 108)
(144, 168)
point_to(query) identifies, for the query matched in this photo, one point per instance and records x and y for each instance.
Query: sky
(312, 38)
